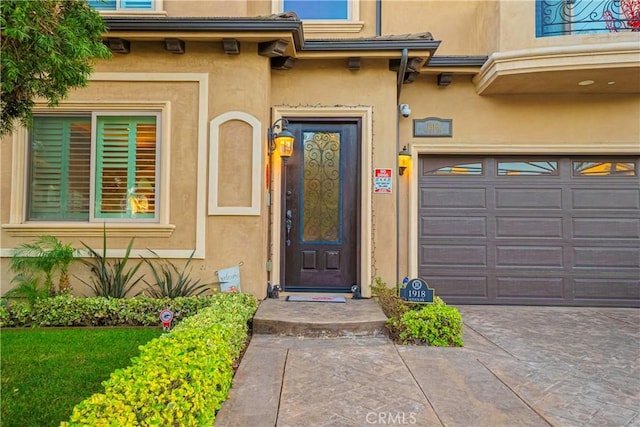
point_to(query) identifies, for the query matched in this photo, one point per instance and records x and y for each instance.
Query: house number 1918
(417, 294)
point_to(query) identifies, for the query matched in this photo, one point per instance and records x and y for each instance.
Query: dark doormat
(316, 298)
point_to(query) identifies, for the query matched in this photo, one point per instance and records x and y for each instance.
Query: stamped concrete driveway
(571, 366)
(520, 366)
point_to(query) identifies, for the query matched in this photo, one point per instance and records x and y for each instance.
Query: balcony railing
(563, 17)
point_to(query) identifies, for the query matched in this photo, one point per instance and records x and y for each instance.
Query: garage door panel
(460, 198)
(456, 286)
(528, 227)
(531, 229)
(606, 288)
(539, 198)
(434, 226)
(525, 287)
(452, 255)
(530, 256)
(606, 257)
(608, 198)
(606, 228)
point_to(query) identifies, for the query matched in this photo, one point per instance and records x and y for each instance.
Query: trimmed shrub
(179, 379)
(66, 310)
(435, 324)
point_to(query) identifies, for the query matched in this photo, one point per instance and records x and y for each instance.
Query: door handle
(288, 225)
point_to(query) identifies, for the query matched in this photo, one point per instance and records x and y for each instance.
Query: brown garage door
(516, 230)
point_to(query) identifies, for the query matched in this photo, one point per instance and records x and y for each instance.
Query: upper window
(124, 5)
(326, 16)
(94, 167)
(563, 17)
(313, 9)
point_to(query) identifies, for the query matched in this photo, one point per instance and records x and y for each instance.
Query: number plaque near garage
(416, 290)
(432, 127)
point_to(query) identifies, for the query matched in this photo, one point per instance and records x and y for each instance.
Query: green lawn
(46, 372)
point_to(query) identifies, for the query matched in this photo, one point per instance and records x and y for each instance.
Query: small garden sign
(416, 290)
(166, 316)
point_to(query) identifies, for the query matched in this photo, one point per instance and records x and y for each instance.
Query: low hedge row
(66, 310)
(179, 379)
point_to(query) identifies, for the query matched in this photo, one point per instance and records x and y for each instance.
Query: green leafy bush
(181, 378)
(66, 310)
(436, 324)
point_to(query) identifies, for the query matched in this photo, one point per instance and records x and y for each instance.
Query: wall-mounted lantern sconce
(404, 160)
(281, 141)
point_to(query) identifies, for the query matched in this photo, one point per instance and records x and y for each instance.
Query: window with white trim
(100, 166)
(332, 15)
(319, 10)
(125, 5)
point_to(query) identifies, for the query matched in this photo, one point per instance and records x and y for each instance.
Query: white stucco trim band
(557, 58)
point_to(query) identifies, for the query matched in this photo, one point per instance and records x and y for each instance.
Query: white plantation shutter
(125, 180)
(60, 168)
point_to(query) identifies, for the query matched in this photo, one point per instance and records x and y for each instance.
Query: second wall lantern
(404, 160)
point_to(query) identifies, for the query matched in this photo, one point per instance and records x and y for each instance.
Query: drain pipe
(401, 71)
(378, 18)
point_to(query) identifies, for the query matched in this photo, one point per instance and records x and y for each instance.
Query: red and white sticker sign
(166, 316)
(382, 182)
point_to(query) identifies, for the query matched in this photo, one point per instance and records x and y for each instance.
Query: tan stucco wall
(527, 123)
(329, 84)
(506, 124)
(236, 83)
(535, 125)
(464, 27)
(199, 8)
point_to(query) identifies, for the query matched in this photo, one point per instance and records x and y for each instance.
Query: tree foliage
(48, 47)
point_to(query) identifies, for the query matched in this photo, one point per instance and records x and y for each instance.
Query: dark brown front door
(321, 206)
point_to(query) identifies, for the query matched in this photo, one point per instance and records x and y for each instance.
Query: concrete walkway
(521, 366)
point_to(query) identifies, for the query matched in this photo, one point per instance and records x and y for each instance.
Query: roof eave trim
(198, 24)
(137, 24)
(363, 45)
(457, 61)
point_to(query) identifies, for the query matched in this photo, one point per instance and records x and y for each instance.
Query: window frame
(159, 227)
(352, 24)
(157, 6)
(94, 159)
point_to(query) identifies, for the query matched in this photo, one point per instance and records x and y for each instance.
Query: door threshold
(336, 290)
(314, 293)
